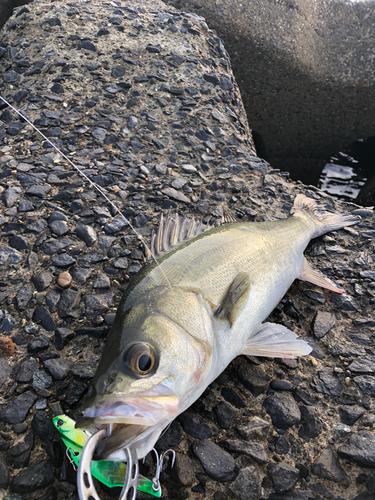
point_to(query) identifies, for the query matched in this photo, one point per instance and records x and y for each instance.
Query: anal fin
(312, 275)
(234, 299)
(276, 341)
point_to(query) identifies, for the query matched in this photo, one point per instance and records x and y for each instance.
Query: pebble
(311, 425)
(64, 279)
(251, 449)
(4, 476)
(196, 426)
(284, 477)
(253, 378)
(254, 428)
(224, 413)
(87, 234)
(360, 448)
(217, 463)
(328, 466)
(23, 371)
(366, 383)
(58, 367)
(281, 385)
(183, 470)
(350, 414)
(323, 323)
(41, 380)
(18, 456)
(17, 410)
(34, 477)
(327, 382)
(42, 314)
(283, 410)
(247, 485)
(363, 365)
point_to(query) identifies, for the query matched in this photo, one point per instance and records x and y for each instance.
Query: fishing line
(95, 186)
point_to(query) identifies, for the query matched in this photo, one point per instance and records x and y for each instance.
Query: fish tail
(324, 220)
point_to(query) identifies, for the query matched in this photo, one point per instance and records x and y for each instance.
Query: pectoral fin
(312, 275)
(235, 298)
(275, 341)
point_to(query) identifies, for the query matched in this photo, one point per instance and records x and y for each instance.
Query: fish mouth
(136, 421)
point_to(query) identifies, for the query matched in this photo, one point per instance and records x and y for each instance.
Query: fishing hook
(159, 467)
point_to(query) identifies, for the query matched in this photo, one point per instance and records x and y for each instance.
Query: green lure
(110, 473)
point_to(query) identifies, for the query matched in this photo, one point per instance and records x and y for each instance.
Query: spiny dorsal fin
(172, 231)
(228, 217)
(234, 299)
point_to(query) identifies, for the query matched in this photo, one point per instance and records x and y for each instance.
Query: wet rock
(350, 414)
(311, 426)
(217, 463)
(17, 410)
(328, 466)
(366, 383)
(247, 484)
(43, 426)
(62, 337)
(254, 428)
(283, 410)
(76, 390)
(224, 413)
(327, 382)
(281, 385)
(24, 370)
(196, 426)
(360, 448)
(58, 367)
(35, 477)
(18, 456)
(253, 378)
(250, 448)
(233, 398)
(284, 477)
(323, 322)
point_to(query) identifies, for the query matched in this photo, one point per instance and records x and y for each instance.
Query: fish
(184, 318)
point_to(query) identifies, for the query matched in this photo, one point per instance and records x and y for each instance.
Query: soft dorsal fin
(234, 299)
(228, 217)
(172, 231)
(312, 275)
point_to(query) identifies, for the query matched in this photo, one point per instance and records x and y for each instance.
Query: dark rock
(102, 281)
(23, 297)
(294, 495)
(35, 477)
(366, 383)
(281, 385)
(224, 413)
(24, 370)
(196, 426)
(254, 428)
(43, 426)
(59, 227)
(11, 196)
(117, 72)
(284, 477)
(5, 370)
(38, 191)
(14, 128)
(18, 408)
(360, 448)
(68, 301)
(76, 390)
(18, 456)
(225, 83)
(324, 321)
(62, 337)
(211, 78)
(116, 225)
(327, 382)
(52, 299)
(328, 466)
(170, 438)
(283, 410)
(41, 380)
(345, 303)
(58, 368)
(53, 21)
(282, 446)
(363, 365)
(253, 378)
(51, 246)
(41, 280)
(247, 485)
(80, 275)
(249, 448)
(183, 470)
(38, 344)
(63, 260)
(311, 426)
(98, 304)
(233, 398)
(4, 446)
(84, 369)
(217, 463)
(87, 45)
(7, 322)
(99, 133)
(4, 476)
(153, 48)
(302, 396)
(42, 314)
(350, 414)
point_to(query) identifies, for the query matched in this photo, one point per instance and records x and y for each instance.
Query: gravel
(149, 109)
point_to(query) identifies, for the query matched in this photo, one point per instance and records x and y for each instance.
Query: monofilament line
(95, 186)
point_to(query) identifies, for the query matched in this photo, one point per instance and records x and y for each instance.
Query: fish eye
(140, 358)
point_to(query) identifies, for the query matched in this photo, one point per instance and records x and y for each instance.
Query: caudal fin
(276, 341)
(325, 221)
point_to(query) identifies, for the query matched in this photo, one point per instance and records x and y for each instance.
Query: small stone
(62, 337)
(98, 304)
(219, 116)
(76, 390)
(281, 385)
(18, 456)
(102, 281)
(171, 437)
(38, 191)
(132, 122)
(63, 260)
(7, 322)
(59, 227)
(284, 477)
(366, 383)
(327, 382)
(87, 45)
(360, 448)
(58, 367)
(99, 133)
(23, 297)
(190, 169)
(283, 410)
(224, 413)
(253, 378)
(345, 303)
(17, 410)
(11, 77)
(41, 280)
(41, 380)
(363, 365)
(11, 196)
(175, 195)
(34, 477)
(4, 476)
(87, 234)
(249, 448)
(69, 300)
(38, 344)
(51, 246)
(311, 426)
(84, 369)
(19, 242)
(42, 314)
(349, 414)
(217, 463)
(64, 280)
(116, 225)
(196, 426)
(117, 72)
(24, 370)
(282, 446)
(328, 466)
(247, 485)
(153, 48)
(233, 398)
(254, 428)
(183, 470)
(43, 426)
(324, 321)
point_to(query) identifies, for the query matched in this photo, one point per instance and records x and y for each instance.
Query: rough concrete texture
(306, 73)
(142, 97)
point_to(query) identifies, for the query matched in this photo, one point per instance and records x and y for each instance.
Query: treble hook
(159, 467)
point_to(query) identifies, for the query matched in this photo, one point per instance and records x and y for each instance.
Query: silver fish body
(180, 323)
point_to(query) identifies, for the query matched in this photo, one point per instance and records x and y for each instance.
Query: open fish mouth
(134, 421)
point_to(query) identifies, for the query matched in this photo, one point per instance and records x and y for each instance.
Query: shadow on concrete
(6, 9)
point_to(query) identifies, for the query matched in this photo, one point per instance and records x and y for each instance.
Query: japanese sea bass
(181, 323)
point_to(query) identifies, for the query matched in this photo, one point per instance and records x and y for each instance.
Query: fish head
(150, 366)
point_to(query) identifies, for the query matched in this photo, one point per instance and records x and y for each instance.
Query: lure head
(153, 360)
